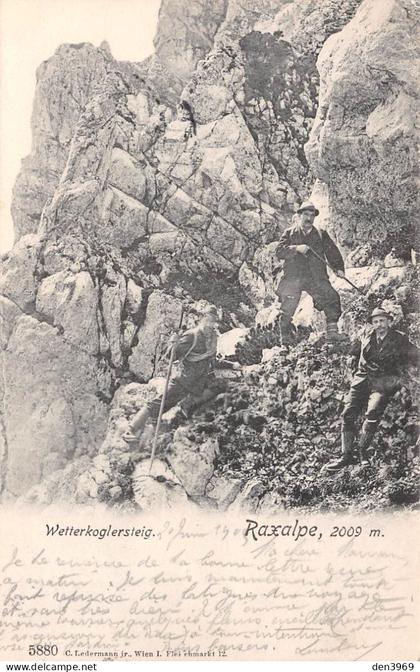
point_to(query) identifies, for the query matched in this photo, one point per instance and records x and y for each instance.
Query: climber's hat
(307, 205)
(379, 312)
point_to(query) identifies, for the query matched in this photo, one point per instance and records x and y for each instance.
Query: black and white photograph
(209, 312)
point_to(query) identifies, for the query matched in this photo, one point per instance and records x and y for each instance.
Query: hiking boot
(363, 458)
(129, 437)
(332, 335)
(344, 461)
(347, 453)
(136, 426)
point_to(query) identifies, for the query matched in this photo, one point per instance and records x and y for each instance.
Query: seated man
(192, 383)
(382, 354)
(303, 271)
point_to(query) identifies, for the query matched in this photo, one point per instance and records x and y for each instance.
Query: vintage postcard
(209, 331)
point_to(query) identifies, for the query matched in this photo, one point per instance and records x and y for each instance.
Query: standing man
(382, 353)
(195, 352)
(303, 271)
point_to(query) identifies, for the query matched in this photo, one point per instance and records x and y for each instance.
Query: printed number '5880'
(43, 649)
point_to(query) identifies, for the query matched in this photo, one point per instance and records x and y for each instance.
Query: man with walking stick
(307, 251)
(382, 356)
(194, 353)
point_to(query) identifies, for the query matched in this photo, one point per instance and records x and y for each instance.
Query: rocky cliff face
(64, 85)
(185, 35)
(363, 143)
(161, 184)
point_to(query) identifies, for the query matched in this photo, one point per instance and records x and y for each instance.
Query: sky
(30, 32)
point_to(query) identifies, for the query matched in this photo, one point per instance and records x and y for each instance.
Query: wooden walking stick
(162, 403)
(343, 277)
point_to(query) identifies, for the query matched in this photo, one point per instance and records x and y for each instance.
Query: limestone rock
(270, 504)
(18, 279)
(101, 462)
(391, 260)
(124, 219)
(184, 35)
(59, 487)
(266, 268)
(223, 491)
(64, 84)
(126, 175)
(227, 241)
(363, 140)
(64, 254)
(162, 318)
(90, 413)
(134, 297)
(71, 302)
(266, 316)
(157, 490)
(158, 224)
(249, 497)
(227, 342)
(253, 284)
(164, 242)
(9, 312)
(44, 379)
(192, 462)
(112, 302)
(308, 23)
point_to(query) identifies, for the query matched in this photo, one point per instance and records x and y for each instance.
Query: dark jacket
(383, 364)
(308, 266)
(195, 355)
